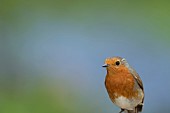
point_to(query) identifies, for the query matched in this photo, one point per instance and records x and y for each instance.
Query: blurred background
(52, 52)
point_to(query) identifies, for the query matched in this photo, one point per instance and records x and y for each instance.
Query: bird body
(124, 85)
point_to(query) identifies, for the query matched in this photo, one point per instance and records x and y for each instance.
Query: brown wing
(134, 73)
(136, 77)
(139, 81)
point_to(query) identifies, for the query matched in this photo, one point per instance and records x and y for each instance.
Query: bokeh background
(51, 53)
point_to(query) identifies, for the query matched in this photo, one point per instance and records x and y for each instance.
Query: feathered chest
(120, 85)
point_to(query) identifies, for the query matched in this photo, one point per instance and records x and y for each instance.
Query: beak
(105, 65)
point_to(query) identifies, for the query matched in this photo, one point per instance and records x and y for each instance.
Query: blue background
(52, 53)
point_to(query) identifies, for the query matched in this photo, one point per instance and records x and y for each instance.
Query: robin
(124, 86)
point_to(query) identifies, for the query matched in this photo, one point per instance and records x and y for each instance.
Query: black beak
(105, 65)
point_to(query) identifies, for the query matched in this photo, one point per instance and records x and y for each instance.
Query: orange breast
(120, 85)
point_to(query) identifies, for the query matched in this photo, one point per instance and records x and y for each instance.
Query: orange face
(115, 65)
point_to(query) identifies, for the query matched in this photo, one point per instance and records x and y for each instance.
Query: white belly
(125, 103)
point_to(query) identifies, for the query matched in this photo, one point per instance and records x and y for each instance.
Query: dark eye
(117, 63)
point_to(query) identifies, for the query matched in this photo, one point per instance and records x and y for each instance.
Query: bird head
(116, 64)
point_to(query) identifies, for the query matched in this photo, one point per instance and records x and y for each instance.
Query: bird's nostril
(105, 65)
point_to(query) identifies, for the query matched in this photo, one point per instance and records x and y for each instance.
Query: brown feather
(121, 81)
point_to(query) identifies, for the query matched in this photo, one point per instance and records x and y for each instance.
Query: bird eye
(117, 63)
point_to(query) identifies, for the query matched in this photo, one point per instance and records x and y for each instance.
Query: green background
(51, 53)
